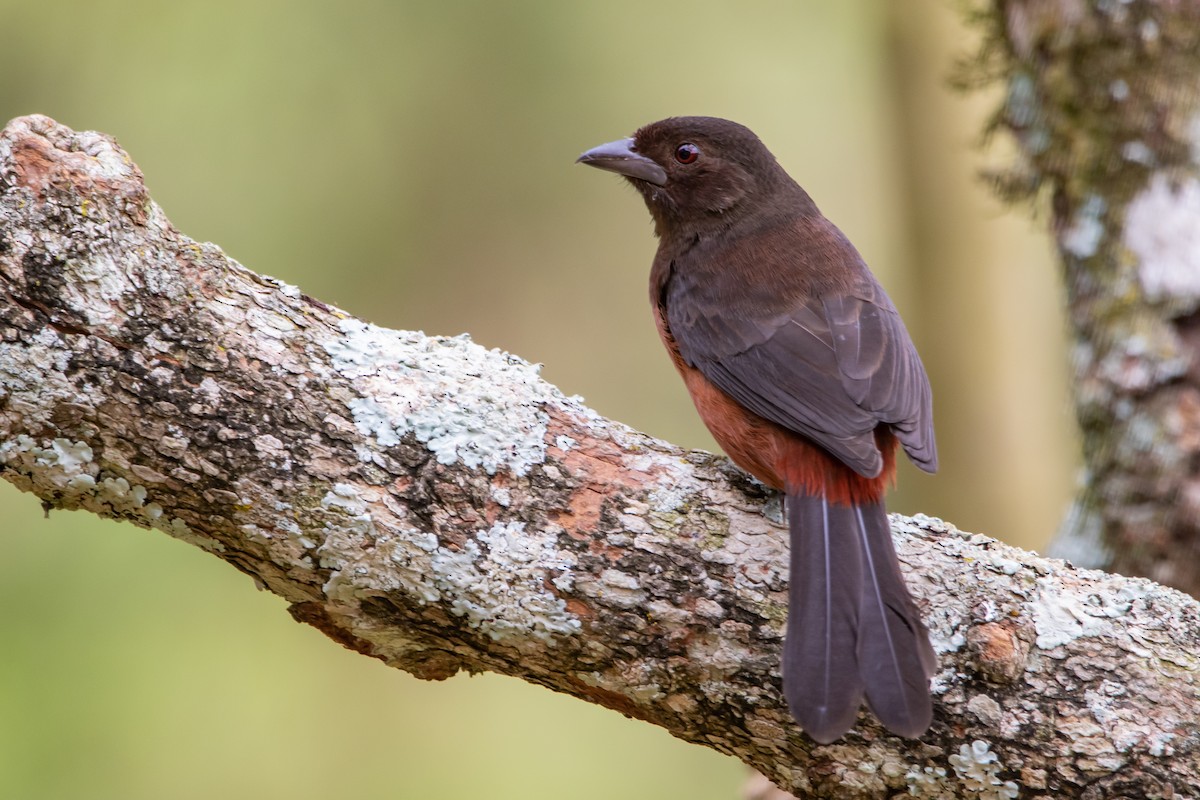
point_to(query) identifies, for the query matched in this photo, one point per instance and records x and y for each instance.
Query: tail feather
(852, 626)
(894, 654)
(820, 663)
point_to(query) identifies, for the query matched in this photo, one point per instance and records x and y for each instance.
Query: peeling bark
(1103, 100)
(435, 505)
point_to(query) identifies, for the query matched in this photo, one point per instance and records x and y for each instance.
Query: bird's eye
(686, 153)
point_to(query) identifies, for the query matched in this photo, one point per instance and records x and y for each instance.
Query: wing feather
(831, 362)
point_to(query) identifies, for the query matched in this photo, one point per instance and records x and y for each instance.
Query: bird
(804, 373)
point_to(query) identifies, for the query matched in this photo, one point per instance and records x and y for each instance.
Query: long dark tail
(853, 629)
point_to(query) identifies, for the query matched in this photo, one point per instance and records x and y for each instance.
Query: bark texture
(435, 505)
(1103, 99)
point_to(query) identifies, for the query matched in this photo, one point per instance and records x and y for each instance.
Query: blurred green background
(412, 163)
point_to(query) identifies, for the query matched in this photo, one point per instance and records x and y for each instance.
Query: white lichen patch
(1082, 238)
(68, 470)
(502, 495)
(1061, 615)
(467, 404)
(60, 464)
(497, 581)
(620, 589)
(674, 480)
(1060, 618)
(667, 497)
(929, 783)
(105, 283)
(32, 376)
(210, 390)
(346, 497)
(1138, 152)
(71, 457)
(978, 768)
(365, 561)
(179, 529)
(1162, 230)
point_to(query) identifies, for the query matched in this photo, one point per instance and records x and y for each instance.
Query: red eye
(686, 153)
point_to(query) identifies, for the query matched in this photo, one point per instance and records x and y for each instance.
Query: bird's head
(696, 174)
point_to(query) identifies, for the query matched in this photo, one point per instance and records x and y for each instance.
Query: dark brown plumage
(800, 366)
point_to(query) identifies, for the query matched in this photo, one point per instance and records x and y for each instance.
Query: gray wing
(831, 367)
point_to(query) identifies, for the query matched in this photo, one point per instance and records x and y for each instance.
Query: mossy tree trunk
(1103, 100)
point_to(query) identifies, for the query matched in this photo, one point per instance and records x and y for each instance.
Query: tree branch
(435, 505)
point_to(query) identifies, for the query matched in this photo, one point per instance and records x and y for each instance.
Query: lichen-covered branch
(1103, 99)
(437, 506)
